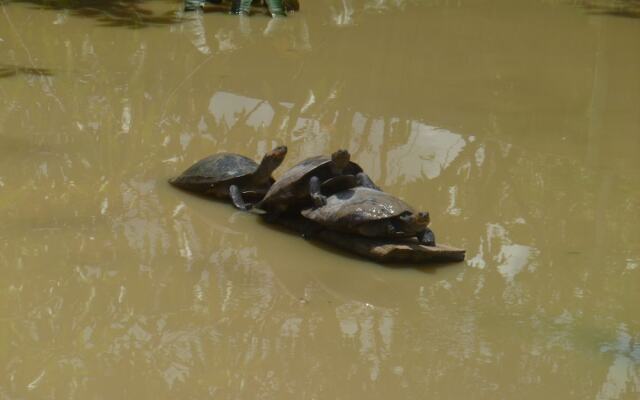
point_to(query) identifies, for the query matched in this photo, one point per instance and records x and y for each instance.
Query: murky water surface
(516, 123)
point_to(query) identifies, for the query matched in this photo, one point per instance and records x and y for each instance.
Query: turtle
(301, 186)
(230, 175)
(372, 213)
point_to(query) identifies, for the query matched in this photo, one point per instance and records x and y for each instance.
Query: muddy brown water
(515, 123)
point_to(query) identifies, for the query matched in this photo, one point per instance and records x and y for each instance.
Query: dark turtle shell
(357, 206)
(221, 168)
(293, 187)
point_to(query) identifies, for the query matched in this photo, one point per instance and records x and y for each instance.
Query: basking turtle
(301, 185)
(231, 175)
(372, 213)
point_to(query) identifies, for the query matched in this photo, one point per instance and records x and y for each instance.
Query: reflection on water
(7, 71)
(109, 13)
(113, 284)
(618, 8)
(427, 151)
(624, 372)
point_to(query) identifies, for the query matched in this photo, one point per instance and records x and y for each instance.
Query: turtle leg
(427, 237)
(236, 198)
(314, 190)
(240, 7)
(364, 181)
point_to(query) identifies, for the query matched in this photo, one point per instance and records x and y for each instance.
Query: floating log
(407, 250)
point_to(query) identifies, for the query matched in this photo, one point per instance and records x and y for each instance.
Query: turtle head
(340, 159)
(422, 218)
(269, 163)
(274, 158)
(414, 222)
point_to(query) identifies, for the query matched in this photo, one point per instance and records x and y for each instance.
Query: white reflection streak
(125, 125)
(428, 152)
(199, 34)
(478, 260)
(385, 327)
(142, 227)
(355, 317)
(224, 106)
(225, 41)
(514, 257)
(625, 370)
(345, 15)
(34, 384)
(104, 206)
(311, 100)
(121, 294)
(178, 208)
(175, 372)
(452, 209)
(305, 37)
(480, 156)
(188, 242)
(261, 115)
(291, 327)
(358, 123)
(316, 139)
(368, 158)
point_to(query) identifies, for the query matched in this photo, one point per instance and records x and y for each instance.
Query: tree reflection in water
(7, 71)
(616, 8)
(113, 13)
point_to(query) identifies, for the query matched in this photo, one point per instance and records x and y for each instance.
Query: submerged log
(407, 250)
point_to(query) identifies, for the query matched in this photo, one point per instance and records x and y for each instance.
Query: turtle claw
(319, 200)
(427, 237)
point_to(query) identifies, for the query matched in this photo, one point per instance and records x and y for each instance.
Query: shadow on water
(111, 13)
(429, 267)
(7, 71)
(618, 8)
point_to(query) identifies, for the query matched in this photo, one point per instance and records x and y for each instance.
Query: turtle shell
(292, 185)
(357, 206)
(215, 169)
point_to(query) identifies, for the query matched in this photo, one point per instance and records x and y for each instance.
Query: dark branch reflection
(618, 8)
(133, 13)
(7, 71)
(122, 13)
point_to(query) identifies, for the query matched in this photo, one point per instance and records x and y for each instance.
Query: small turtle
(301, 185)
(372, 213)
(229, 175)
